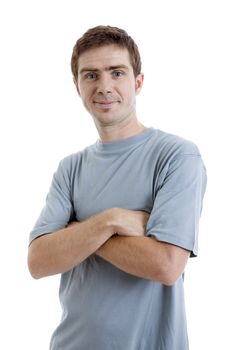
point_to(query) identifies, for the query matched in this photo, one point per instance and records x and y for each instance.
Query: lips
(105, 103)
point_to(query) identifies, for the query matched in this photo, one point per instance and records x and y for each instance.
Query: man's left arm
(172, 229)
(145, 257)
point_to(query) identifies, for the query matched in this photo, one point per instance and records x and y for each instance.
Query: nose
(104, 85)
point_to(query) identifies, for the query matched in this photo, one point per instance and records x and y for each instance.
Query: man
(121, 217)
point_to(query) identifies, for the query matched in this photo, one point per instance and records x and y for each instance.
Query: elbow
(33, 268)
(34, 263)
(168, 275)
(35, 275)
(169, 280)
(172, 266)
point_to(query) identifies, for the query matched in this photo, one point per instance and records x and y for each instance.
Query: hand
(129, 222)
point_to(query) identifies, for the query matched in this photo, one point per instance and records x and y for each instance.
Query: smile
(104, 104)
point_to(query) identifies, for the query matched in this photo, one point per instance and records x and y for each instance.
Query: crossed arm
(130, 250)
(145, 257)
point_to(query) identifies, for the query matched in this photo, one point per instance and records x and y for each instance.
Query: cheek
(127, 90)
(129, 93)
(89, 93)
(85, 95)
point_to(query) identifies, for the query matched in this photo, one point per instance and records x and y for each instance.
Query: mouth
(105, 104)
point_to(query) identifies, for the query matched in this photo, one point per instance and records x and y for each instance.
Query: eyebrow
(119, 66)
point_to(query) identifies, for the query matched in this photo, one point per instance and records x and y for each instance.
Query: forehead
(102, 57)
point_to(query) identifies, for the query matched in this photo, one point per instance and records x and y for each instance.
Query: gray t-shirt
(105, 308)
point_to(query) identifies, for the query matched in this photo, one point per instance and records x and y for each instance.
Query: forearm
(62, 250)
(144, 257)
(135, 255)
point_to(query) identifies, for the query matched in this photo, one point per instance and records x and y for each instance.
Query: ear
(76, 85)
(139, 82)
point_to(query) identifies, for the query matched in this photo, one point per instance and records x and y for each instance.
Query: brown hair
(106, 35)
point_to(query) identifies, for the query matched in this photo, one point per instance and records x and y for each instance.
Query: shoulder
(170, 146)
(179, 164)
(178, 144)
(173, 155)
(72, 162)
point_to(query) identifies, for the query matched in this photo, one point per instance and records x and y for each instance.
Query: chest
(123, 181)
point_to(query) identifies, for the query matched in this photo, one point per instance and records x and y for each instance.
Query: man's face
(107, 85)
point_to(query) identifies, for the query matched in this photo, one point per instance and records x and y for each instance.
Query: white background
(186, 49)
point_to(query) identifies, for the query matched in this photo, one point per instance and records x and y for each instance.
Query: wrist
(116, 220)
(109, 221)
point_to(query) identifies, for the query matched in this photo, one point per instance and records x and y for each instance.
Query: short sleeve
(58, 209)
(178, 203)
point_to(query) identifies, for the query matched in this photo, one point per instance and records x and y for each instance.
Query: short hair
(102, 36)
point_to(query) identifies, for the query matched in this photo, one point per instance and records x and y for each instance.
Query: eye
(118, 73)
(91, 76)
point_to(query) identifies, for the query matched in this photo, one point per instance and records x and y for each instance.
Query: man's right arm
(62, 250)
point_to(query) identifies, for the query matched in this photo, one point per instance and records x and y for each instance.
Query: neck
(113, 133)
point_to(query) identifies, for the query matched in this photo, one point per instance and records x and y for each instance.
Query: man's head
(107, 74)
(103, 36)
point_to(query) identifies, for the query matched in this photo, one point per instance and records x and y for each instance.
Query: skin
(108, 89)
(109, 94)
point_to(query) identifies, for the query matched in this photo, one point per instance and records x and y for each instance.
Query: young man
(121, 217)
